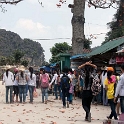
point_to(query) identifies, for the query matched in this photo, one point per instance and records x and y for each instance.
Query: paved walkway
(51, 113)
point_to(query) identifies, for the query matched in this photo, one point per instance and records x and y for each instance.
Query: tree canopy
(59, 48)
(116, 25)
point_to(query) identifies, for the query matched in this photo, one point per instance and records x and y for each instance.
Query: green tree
(116, 25)
(87, 43)
(57, 49)
(3, 61)
(17, 56)
(10, 60)
(24, 62)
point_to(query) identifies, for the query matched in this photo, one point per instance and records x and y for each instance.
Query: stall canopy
(102, 49)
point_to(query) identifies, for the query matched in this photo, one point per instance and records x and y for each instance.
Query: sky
(29, 19)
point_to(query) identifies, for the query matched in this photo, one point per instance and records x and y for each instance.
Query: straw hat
(21, 68)
(8, 67)
(105, 68)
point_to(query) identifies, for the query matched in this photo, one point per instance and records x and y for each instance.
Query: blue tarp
(78, 56)
(47, 68)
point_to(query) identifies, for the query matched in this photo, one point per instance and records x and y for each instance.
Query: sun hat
(21, 68)
(105, 68)
(8, 67)
(110, 69)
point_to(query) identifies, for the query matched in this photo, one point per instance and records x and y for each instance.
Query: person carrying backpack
(65, 86)
(87, 92)
(55, 80)
(44, 78)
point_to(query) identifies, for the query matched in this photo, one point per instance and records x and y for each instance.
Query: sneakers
(89, 117)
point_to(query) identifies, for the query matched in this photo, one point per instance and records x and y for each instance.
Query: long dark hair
(31, 71)
(88, 69)
(7, 72)
(43, 70)
(109, 74)
(22, 74)
(15, 74)
(104, 72)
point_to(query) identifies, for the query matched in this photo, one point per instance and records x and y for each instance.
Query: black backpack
(65, 82)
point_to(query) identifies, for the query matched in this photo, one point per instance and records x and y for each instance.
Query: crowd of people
(92, 85)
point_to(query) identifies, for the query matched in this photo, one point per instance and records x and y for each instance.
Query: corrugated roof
(102, 49)
(106, 47)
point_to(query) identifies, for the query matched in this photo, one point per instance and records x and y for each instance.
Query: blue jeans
(97, 98)
(105, 100)
(22, 92)
(57, 87)
(26, 89)
(65, 93)
(7, 92)
(122, 103)
(31, 90)
(44, 93)
(113, 109)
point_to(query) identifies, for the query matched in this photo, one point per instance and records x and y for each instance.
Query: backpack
(96, 86)
(44, 81)
(65, 82)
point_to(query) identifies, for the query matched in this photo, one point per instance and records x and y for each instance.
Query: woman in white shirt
(21, 78)
(8, 80)
(31, 78)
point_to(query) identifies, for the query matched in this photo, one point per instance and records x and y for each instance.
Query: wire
(52, 39)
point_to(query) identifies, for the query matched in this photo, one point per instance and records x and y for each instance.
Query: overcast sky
(30, 20)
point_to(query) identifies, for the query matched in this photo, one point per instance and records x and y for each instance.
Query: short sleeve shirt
(110, 91)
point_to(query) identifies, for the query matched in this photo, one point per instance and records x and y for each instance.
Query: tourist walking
(37, 80)
(31, 78)
(44, 77)
(87, 92)
(15, 85)
(104, 93)
(8, 79)
(71, 90)
(21, 78)
(54, 80)
(110, 82)
(120, 90)
(65, 86)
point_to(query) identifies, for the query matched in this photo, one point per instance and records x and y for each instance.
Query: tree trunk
(78, 26)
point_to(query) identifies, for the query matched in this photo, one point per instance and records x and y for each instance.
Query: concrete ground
(50, 113)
